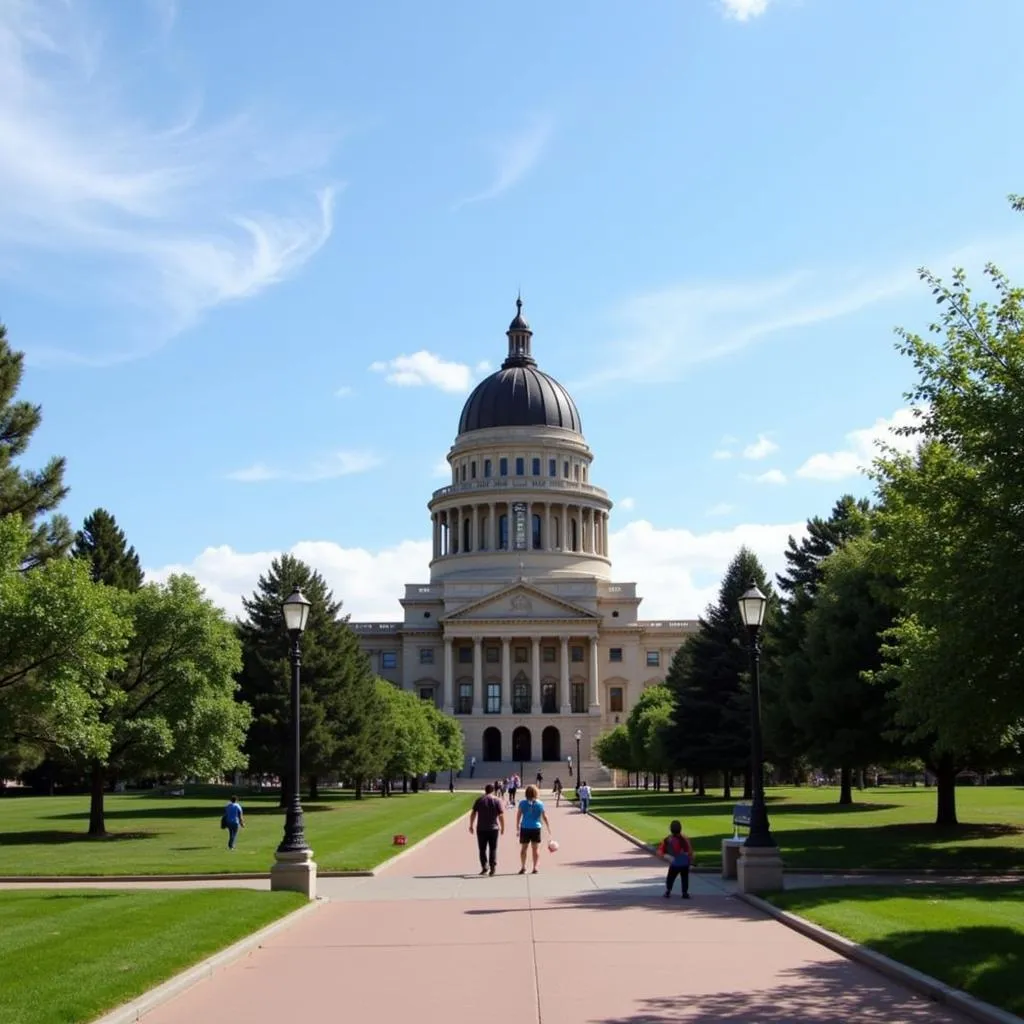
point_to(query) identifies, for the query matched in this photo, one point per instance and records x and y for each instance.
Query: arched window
(503, 533)
(574, 535)
(536, 534)
(465, 535)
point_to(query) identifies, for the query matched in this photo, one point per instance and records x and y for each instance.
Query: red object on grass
(399, 840)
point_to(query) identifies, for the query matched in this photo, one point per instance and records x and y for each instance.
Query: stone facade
(521, 633)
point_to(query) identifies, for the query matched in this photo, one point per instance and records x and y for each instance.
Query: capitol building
(521, 632)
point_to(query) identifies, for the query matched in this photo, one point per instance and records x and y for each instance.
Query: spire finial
(519, 301)
(519, 334)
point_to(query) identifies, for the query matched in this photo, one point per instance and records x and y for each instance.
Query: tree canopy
(102, 543)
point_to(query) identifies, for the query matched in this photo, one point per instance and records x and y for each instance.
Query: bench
(731, 847)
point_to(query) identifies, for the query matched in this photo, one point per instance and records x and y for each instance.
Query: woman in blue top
(528, 821)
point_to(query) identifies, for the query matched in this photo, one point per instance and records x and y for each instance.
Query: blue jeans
(584, 804)
(232, 836)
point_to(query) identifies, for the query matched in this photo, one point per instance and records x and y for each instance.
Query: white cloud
(760, 449)
(723, 508)
(771, 476)
(678, 572)
(442, 469)
(153, 224)
(513, 158)
(424, 369)
(626, 503)
(328, 468)
(721, 453)
(344, 392)
(861, 449)
(743, 10)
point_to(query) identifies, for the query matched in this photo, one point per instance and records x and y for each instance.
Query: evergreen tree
(340, 715)
(102, 543)
(710, 681)
(28, 494)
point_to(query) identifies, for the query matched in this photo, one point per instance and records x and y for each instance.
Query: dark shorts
(529, 835)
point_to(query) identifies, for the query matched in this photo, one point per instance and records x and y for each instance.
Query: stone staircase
(488, 771)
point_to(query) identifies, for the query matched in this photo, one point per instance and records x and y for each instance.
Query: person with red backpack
(678, 851)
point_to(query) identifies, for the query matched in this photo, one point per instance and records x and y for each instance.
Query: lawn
(69, 956)
(159, 835)
(884, 828)
(969, 936)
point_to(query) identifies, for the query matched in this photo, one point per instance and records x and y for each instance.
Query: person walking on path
(677, 849)
(472, 767)
(232, 819)
(488, 818)
(556, 788)
(529, 817)
(568, 761)
(540, 778)
(584, 795)
(513, 785)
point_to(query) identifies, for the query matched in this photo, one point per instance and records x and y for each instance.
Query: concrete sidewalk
(588, 940)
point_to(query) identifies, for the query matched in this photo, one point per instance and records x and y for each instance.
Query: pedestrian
(513, 785)
(472, 767)
(488, 818)
(568, 761)
(540, 779)
(677, 849)
(529, 817)
(232, 819)
(556, 788)
(584, 797)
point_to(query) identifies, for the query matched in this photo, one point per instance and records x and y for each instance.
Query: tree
(652, 712)
(102, 543)
(614, 750)
(412, 746)
(710, 683)
(171, 708)
(340, 716)
(449, 740)
(62, 634)
(30, 495)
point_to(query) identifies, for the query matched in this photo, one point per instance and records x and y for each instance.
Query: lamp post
(752, 609)
(578, 736)
(294, 868)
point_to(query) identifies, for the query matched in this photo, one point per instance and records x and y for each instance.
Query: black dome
(519, 396)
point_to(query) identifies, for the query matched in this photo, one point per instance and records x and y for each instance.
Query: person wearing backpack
(678, 851)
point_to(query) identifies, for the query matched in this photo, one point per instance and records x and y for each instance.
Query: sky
(258, 255)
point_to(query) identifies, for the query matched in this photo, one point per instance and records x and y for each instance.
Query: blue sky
(257, 263)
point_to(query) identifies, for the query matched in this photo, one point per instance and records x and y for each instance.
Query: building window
(426, 655)
(522, 655)
(502, 533)
(615, 654)
(552, 467)
(615, 699)
(389, 659)
(573, 536)
(536, 467)
(550, 654)
(584, 474)
(487, 467)
(653, 659)
(465, 655)
(521, 697)
(548, 698)
(493, 698)
(565, 470)
(465, 705)
(502, 467)
(483, 540)
(463, 472)
(537, 538)
(520, 466)
(426, 693)
(579, 697)
(466, 546)
(493, 655)
(576, 653)
(576, 471)
(472, 470)
(557, 535)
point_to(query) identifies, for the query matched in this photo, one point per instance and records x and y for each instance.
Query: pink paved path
(588, 940)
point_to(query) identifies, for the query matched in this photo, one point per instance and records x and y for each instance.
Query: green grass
(69, 956)
(884, 828)
(182, 835)
(969, 936)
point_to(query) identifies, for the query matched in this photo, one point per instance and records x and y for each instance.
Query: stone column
(478, 677)
(565, 528)
(595, 681)
(506, 676)
(447, 699)
(492, 528)
(549, 541)
(563, 682)
(455, 547)
(535, 676)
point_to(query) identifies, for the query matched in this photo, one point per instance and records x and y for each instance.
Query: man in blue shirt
(528, 822)
(233, 819)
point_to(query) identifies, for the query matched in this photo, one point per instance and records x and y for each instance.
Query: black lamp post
(579, 769)
(752, 609)
(296, 613)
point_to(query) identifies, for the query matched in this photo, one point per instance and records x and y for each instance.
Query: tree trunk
(748, 785)
(314, 787)
(700, 785)
(405, 783)
(727, 785)
(97, 825)
(945, 782)
(671, 782)
(845, 785)
(359, 788)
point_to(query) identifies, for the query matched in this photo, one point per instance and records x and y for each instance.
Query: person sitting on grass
(678, 851)
(528, 822)
(233, 819)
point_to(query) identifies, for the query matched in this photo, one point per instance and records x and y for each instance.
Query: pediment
(519, 601)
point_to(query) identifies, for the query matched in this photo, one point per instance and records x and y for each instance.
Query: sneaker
(491, 872)
(522, 871)
(483, 871)
(668, 895)
(686, 895)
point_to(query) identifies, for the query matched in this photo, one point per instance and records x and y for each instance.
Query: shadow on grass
(252, 810)
(695, 806)
(55, 838)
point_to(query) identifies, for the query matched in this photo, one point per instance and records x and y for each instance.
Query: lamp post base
(759, 869)
(294, 872)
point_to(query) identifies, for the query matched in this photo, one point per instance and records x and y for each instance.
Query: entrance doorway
(492, 744)
(551, 744)
(522, 744)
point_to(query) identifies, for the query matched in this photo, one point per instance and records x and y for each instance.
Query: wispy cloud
(156, 223)
(425, 369)
(760, 449)
(723, 508)
(513, 158)
(442, 469)
(743, 10)
(345, 391)
(770, 476)
(627, 504)
(328, 468)
(862, 447)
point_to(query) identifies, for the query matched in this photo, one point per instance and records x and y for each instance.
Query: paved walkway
(588, 940)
